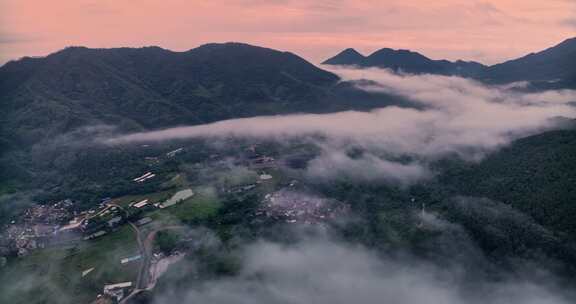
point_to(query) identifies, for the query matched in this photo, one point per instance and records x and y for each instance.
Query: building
(178, 197)
(140, 204)
(130, 259)
(117, 290)
(95, 235)
(115, 221)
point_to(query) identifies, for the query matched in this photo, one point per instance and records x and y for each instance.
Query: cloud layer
(452, 116)
(321, 270)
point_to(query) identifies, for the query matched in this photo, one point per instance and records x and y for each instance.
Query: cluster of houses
(96, 223)
(111, 216)
(159, 264)
(35, 229)
(255, 159)
(294, 206)
(48, 225)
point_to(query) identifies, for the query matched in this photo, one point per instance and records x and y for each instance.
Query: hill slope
(535, 175)
(557, 63)
(131, 89)
(346, 57)
(152, 87)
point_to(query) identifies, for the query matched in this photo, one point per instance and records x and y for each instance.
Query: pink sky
(488, 31)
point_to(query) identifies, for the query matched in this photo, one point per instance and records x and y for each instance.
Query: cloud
(13, 38)
(104, 8)
(462, 117)
(452, 116)
(334, 163)
(570, 22)
(318, 269)
(314, 29)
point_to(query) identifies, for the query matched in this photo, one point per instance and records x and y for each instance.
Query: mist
(322, 269)
(451, 116)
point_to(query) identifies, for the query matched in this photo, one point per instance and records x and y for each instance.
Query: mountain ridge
(174, 84)
(406, 61)
(348, 56)
(554, 64)
(150, 88)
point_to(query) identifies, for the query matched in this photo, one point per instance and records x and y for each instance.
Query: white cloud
(320, 270)
(456, 116)
(334, 163)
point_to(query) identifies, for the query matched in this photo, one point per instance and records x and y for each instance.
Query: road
(146, 245)
(142, 249)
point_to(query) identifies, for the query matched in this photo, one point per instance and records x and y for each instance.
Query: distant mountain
(405, 61)
(346, 57)
(555, 64)
(552, 68)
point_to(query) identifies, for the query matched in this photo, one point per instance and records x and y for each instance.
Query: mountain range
(406, 61)
(153, 87)
(135, 89)
(53, 106)
(553, 65)
(148, 88)
(429, 159)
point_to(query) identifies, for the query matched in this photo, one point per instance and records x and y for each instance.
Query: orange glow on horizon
(488, 31)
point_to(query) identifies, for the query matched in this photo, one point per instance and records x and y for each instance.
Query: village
(60, 224)
(53, 225)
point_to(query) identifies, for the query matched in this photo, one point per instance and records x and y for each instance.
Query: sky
(488, 31)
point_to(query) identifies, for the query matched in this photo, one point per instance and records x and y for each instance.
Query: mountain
(45, 100)
(484, 221)
(405, 61)
(152, 87)
(346, 57)
(555, 64)
(554, 67)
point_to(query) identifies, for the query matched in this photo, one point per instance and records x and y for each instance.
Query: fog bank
(451, 116)
(321, 270)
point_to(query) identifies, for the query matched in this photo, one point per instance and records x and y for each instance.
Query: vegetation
(535, 175)
(167, 241)
(54, 275)
(203, 205)
(518, 204)
(55, 107)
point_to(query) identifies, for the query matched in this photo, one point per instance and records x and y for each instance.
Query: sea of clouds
(452, 116)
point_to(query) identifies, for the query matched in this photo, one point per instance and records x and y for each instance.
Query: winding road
(146, 245)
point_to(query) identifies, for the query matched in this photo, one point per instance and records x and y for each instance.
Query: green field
(202, 205)
(54, 275)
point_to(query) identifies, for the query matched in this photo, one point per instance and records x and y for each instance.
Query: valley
(143, 175)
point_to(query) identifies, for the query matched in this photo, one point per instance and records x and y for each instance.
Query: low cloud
(321, 270)
(451, 116)
(15, 38)
(570, 22)
(334, 163)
